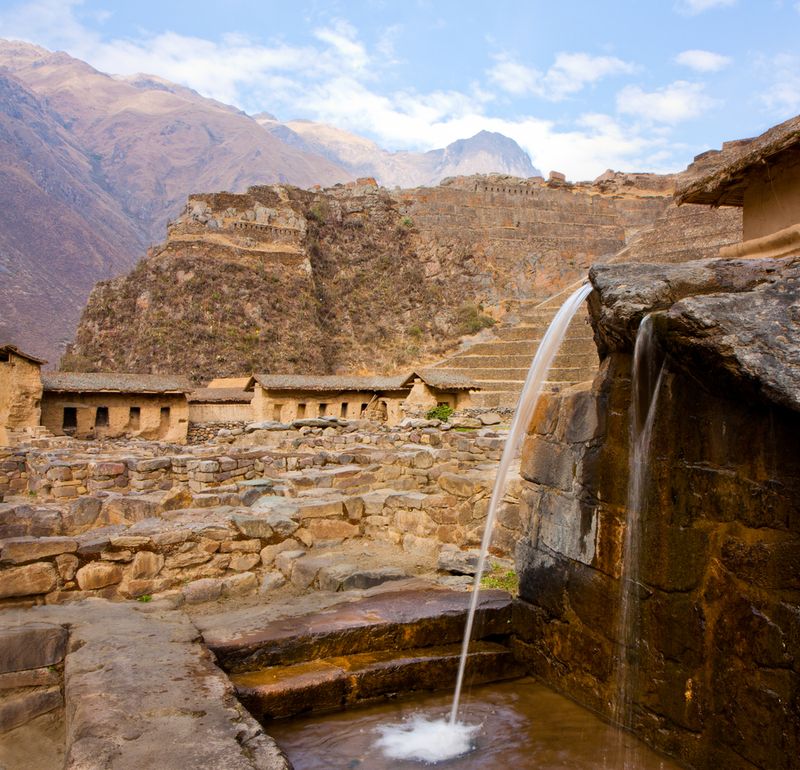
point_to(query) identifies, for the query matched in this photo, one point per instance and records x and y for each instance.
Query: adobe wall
(151, 423)
(287, 406)
(20, 395)
(213, 413)
(772, 199)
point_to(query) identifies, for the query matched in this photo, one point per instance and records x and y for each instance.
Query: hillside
(356, 278)
(60, 228)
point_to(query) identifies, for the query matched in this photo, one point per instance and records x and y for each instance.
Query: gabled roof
(220, 396)
(435, 378)
(102, 382)
(327, 382)
(724, 182)
(13, 349)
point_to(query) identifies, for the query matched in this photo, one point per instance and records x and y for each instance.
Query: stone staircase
(500, 366)
(382, 645)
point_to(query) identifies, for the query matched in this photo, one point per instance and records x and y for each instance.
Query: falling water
(419, 738)
(645, 384)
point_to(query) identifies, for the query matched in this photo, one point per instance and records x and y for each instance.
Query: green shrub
(471, 319)
(441, 412)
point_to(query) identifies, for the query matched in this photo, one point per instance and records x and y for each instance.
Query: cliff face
(354, 278)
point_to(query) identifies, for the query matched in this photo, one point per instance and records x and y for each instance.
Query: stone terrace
(249, 512)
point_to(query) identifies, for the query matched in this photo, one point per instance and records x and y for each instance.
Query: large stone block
(98, 575)
(325, 529)
(31, 579)
(547, 463)
(19, 550)
(22, 707)
(34, 645)
(460, 486)
(146, 565)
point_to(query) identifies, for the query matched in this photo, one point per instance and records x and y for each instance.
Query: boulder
(34, 645)
(98, 575)
(29, 580)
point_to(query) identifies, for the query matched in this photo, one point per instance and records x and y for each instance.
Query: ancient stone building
(114, 405)
(284, 398)
(20, 393)
(762, 176)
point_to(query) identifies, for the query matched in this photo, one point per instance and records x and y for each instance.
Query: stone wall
(206, 431)
(144, 519)
(716, 679)
(31, 672)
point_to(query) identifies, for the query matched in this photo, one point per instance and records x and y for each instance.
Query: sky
(581, 85)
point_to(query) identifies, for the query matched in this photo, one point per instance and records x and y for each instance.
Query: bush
(471, 319)
(441, 412)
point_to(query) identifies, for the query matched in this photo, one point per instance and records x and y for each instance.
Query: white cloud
(675, 103)
(782, 92)
(568, 75)
(703, 61)
(332, 79)
(693, 7)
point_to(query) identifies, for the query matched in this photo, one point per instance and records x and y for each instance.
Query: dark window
(364, 408)
(134, 417)
(4, 357)
(164, 414)
(70, 421)
(323, 410)
(101, 417)
(301, 410)
(343, 410)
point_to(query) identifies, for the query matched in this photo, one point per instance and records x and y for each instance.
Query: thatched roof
(220, 396)
(92, 382)
(327, 382)
(14, 350)
(439, 379)
(726, 175)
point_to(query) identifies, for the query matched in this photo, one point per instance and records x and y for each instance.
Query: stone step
(555, 375)
(392, 620)
(341, 681)
(471, 365)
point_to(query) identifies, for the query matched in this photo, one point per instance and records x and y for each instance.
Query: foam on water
(427, 740)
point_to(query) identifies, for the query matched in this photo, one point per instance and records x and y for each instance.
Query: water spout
(646, 376)
(528, 399)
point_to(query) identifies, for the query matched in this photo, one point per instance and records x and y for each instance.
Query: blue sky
(582, 85)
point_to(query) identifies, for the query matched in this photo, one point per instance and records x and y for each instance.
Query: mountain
(486, 152)
(60, 229)
(93, 167)
(154, 142)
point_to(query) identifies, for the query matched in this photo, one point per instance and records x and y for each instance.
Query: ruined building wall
(20, 395)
